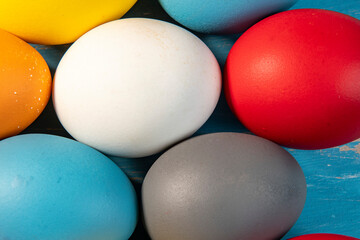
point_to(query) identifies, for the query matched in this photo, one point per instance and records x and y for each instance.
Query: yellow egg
(55, 22)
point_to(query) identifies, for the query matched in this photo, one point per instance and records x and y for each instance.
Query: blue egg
(54, 188)
(220, 16)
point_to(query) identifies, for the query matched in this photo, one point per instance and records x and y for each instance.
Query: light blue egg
(54, 188)
(222, 16)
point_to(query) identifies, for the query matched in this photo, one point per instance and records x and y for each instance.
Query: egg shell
(56, 188)
(293, 78)
(219, 16)
(133, 87)
(323, 236)
(25, 84)
(223, 186)
(53, 22)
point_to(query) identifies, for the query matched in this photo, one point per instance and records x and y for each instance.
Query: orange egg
(25, 84)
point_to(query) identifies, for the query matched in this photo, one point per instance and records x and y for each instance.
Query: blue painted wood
(333, 175)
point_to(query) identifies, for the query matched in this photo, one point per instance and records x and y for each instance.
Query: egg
(323, 236)
(133, 87)
(25, 84)
(54, 22)
(293, 78)
(56, 188)
(219, 16)
(223, 186)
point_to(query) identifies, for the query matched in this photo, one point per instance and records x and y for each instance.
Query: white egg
(134, 87)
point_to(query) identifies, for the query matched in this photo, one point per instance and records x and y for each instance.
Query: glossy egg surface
(223, 186)
(219, 16)
(134, 87)
(323, 236)
(25, 84)
(56, 188)
(55, 22)
(293, 78)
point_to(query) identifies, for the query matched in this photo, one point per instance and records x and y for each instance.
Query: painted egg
(298, 86)
(223, 186)
(323, 236)
(25, 84)
(133, 87)
(58, 21)
(56, 188)
(219, 16)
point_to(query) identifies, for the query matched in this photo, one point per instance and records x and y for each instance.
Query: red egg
(323, 236)
(294, 78)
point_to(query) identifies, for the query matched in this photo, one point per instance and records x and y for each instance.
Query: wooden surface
(333, 175)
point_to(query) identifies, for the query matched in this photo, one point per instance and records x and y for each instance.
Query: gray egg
(223, 186)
